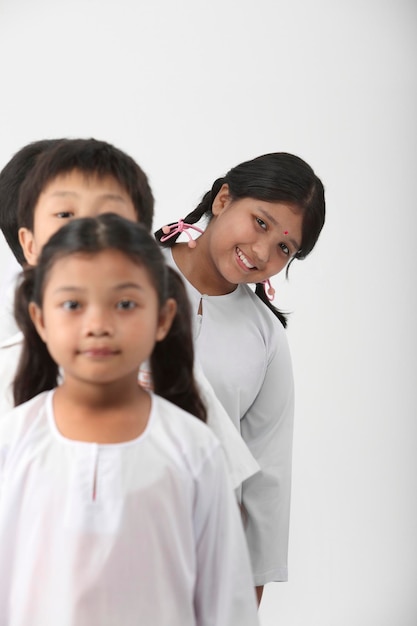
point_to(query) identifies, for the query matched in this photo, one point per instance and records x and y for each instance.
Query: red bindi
(285, 232)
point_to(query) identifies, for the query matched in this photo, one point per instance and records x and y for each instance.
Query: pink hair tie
(269, 290)
(180, 227)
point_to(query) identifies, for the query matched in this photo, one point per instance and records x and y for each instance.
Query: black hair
(274, 177)
(92, 158)
(11, 180)
(172, 360)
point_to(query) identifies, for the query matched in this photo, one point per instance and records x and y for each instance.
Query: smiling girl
(261, 216)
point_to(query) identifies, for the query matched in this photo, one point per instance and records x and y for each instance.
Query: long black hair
(274, 177)
(172, 360)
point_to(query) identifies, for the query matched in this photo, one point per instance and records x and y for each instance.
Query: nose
(262, 251)
(97, 323)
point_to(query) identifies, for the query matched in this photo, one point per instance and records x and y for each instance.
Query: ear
(36, 316)
(166, 317)
(27, 241)
(222, 200)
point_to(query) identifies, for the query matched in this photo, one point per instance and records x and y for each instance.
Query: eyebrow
(294, 243)
(74, 194)
(121, 287)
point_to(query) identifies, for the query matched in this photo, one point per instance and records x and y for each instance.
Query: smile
(245, 261)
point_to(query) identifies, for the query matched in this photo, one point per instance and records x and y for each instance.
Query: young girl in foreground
(115, 505)
(261, 216)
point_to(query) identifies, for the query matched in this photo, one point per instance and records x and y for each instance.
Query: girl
(115, 505)
(261, 216)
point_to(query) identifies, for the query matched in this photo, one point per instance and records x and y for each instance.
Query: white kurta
(240, 462)
(146, 532)
(243, 350)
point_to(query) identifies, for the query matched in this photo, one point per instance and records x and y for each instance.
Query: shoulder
(10, 350)
(260, 316)
(179, 421)
(8, 325)
(12, 342)
(19, 421)
(189, 440)
(20, 433)
(260, 309)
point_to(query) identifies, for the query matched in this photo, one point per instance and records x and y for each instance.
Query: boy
(56, 180)
(84, 178)
(11, 179)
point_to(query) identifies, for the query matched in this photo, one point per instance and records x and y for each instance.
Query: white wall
(191, 88)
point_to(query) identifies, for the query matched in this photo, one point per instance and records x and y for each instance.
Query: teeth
(244, 259)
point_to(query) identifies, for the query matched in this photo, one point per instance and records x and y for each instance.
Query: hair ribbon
(177, 228)
(269, 290)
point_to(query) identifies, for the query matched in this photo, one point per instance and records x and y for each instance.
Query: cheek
(143, 333)
(42, 226)
(223, 241)
(42, 237)
(280, 264)
(58, 333)
(58, 343)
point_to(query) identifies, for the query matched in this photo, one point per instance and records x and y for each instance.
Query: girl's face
(251, 240)
(100, 317)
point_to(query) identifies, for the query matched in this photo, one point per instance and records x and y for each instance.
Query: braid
(172, 360)
(36, 371)
(203, 208)
(260, 292)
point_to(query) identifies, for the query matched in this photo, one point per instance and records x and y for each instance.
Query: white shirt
(243, 350)
(10, 343)
(10, 350)
(7, 287)
(143, 532)
(240, 462)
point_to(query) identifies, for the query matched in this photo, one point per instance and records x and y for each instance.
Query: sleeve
(224, 593)
(240, 462)
(267, 428)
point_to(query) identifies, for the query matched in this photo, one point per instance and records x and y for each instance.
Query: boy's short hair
(92, 158)
(11, 180)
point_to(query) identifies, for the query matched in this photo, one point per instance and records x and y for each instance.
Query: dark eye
(285, 249)
(64, 214)
(261, 223)
(71, 305)
(126, 305)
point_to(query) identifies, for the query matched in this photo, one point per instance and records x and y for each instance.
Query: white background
(191, 88)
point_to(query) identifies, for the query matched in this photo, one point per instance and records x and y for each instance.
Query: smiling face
(100, 317)
(69, 196)
(250, 240)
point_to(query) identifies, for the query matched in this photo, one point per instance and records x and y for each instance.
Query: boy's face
(68, 196)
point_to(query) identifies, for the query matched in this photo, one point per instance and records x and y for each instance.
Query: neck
(110, 413)
(198, 268)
